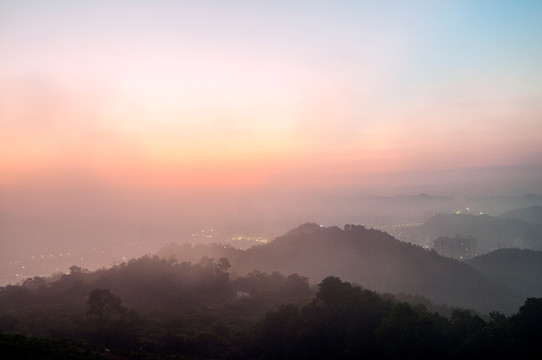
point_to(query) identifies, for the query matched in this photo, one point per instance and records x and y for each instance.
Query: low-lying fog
(47, 225)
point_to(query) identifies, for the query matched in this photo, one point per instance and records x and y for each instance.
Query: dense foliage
(152, 308)
(150, 305)
(346, 322)
(15, 346)
(371, 258)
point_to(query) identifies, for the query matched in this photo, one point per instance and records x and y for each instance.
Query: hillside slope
(370, 258)
(518, 269)
(531, 214)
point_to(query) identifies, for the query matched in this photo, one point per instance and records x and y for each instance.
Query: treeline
(15, 346)
(371, 258)
(347, 322)
(152, 308)
(148, 306)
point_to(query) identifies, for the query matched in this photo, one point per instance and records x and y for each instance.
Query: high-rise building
(456, 248)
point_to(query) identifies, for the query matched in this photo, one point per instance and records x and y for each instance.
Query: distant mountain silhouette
(518, 269)
(491, 232)
(532, 214)
(416, 198)
(370, 258)
(501, 204)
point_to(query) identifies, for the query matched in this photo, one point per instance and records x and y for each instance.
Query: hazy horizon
(175, 94)
(133, 124)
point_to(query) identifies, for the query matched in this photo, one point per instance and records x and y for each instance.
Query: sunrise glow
(236, 94)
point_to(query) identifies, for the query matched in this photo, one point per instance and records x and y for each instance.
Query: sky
(184, 94)
(125, 125)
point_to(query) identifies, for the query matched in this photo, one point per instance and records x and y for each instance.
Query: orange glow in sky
(186, 94)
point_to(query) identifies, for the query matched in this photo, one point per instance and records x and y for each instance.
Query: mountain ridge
(370, 258)
(531, 214)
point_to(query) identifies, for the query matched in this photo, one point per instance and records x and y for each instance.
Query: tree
(527, 323)
(111, 323)
(103, 305)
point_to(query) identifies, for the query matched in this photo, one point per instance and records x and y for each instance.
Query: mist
(280, 180)
(51, 223)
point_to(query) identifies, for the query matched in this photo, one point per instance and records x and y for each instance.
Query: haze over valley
(91, 227)
(270, 180)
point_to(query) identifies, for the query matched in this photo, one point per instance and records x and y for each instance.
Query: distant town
(60, 260)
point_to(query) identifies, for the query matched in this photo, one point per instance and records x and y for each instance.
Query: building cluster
(455, 248)
(246, 241)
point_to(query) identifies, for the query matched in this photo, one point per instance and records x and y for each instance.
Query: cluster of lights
(41, 256)
(203, 234)
(396, 226)
(258, 239)
(467, 211)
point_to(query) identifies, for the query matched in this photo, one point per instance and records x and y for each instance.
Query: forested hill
(491, 232)
(148, 303)
(191, 311)
(518, 269)
(532, 214)
(370, 258)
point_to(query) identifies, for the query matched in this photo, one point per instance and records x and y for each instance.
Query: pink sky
(185, 94)
(126, 125)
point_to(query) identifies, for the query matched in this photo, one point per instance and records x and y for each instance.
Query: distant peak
(353, 227)
(307, 228)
